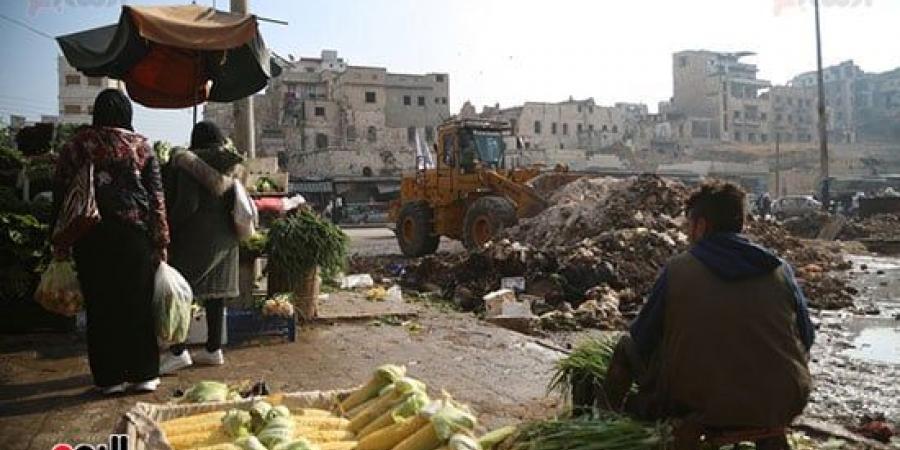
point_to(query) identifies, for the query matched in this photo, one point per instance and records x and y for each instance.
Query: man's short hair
(721, 204)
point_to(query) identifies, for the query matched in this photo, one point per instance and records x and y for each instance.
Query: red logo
(116, 442)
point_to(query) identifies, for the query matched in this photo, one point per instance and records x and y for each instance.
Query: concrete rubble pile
(880, 226)
(592, 256)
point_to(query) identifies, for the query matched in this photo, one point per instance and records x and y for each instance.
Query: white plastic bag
(362, 280)
(244, 212)
(59, 291)
(172, 298)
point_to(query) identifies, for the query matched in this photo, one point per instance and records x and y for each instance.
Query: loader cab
(466, 146)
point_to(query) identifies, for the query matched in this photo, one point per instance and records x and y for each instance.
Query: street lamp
(823, 131)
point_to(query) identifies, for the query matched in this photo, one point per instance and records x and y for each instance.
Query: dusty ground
(45, 383)
(381, 241)
(45, 396)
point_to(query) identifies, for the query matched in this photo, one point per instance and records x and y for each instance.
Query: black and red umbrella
(176, 56)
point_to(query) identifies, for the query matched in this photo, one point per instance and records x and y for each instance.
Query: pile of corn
(390, 412)
(263, 427)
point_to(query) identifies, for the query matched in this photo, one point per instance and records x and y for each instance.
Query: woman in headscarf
(117, 259)
(200, 195)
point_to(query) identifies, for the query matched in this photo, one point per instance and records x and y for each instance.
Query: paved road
(381, 241)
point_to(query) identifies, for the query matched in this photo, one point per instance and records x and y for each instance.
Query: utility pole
(777, 164)
(823, 126)
(244, 130)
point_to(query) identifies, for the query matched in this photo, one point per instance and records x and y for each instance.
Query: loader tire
(414, 230)
(485, 219)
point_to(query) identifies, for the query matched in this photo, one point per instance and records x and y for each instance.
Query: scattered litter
(357, 281)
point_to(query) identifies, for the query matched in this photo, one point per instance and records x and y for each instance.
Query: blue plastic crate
(246, 324)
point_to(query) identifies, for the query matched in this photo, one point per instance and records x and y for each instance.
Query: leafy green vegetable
(250, 443)
(237, 423)
(451, 419)
(277, 430)
(587, 364)
(206, 391)
(607, 432)
(258, 414)
(24, 252)
(301, 242)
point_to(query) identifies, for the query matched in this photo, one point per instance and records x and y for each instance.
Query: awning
(176, 56)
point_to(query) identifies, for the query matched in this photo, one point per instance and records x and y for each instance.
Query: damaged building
(356, 126)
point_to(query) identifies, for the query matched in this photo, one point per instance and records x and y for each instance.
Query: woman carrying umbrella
(117, 259)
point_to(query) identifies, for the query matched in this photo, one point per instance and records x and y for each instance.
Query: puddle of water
(880, 344)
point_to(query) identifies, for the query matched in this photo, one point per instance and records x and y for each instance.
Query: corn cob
(424, 439)
(186, 428)
(321, 422)
(209, 417)
(385, 420)
(226, 446)
(321, 436)
(387, 438)
(199, 439)
(374, 410)
(382, 377)
(312, 412)
(338, 445)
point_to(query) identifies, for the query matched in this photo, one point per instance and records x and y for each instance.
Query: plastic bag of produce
(172, 299)
(59, 291)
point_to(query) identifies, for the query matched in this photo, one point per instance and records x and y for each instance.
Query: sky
(496, 51)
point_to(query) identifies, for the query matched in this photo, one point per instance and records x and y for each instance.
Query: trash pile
(880, 226)
(808, 225)
(601, 244)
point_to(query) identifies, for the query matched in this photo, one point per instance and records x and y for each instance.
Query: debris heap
(603, 242)
(880, 226)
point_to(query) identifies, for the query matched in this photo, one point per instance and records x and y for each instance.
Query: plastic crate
(244, 325)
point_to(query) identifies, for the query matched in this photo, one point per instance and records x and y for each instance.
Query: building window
(737, 136)
(371, 134)
(682, 61)
(437, 100)
(737, 114)
(763, 116)
(411, 135)
(604, 129)
(565, 129)
(320, 111)
(310, 69)
(370, 97)
(590, 109)
(615, 128)
(421, 101)
(591, 128)
(72, 109)
(579, 128)
(73, 80)
(778, 117)
(553, 128)
(537, 127)
(407, 100)
(790, 118)
(751, 137)
(439, 78)
(579, 108)
(351, 133)
(764, 138)
(429, 134)
(321, 141)
(95, 81)
(444, 100)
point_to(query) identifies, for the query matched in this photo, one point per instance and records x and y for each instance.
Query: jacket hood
(732, 256)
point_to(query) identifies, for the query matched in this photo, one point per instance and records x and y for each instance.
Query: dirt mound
(880, 226)
(614, 235)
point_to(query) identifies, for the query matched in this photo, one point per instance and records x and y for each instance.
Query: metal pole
(244, 131)
(777, 164)
(823, 130)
